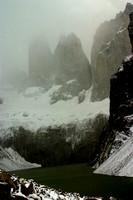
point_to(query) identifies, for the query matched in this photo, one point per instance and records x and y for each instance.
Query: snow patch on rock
(120, 163)
(10, 160)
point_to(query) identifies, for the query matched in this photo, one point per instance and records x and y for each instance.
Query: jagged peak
(128, 9)
(71, 38)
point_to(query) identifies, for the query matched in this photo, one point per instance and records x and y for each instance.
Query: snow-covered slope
(11, 160)
(120, 163)
(29, 119)
(32, 109)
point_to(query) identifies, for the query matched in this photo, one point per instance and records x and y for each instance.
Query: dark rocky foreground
(16, 188)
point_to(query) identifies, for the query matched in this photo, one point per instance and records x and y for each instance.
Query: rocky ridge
(68, 67)
(111, 44)
(120, 126)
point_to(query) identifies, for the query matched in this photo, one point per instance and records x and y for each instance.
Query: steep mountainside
(73, 68)
(111, 44)
(120, 126)
(68, 67)
(120, 163)
(11, 160)
(64, 132)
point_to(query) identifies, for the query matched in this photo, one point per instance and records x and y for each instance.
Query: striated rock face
(111, 44)
(57, 145)
(41, 65)
(130, 29)
(121, 110)
(120, 125)
(10, 160)
(73, 68)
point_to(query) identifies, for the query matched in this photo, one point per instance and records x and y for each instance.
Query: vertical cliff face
(130, 29)
(111, 44)
(41, 65)
(68, 67)
(120, 124)
(71, 61)
(73, 68)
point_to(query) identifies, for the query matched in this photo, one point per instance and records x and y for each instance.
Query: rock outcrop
(111, 44)
(41, 64)
(73, 68)
(120, 125)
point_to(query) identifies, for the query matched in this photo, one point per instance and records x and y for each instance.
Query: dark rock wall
(121, 112)
(71, 61)
(130, 29)
(72, 143)
(121, 93)
(73, 67)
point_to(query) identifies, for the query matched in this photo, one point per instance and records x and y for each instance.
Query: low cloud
(23, 20)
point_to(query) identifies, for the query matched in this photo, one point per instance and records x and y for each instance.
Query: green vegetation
(80, 178)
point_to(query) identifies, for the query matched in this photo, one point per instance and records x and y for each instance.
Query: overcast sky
(23, 20)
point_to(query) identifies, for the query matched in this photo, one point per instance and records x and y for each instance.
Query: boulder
(4, 191)
(5, 177)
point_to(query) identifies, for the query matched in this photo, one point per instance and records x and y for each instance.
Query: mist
(23, 20)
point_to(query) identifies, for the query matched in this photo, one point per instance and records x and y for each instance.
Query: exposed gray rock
(111, 44)
(73, 68)
(118, 129)
(10, 160)
(41, 65)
